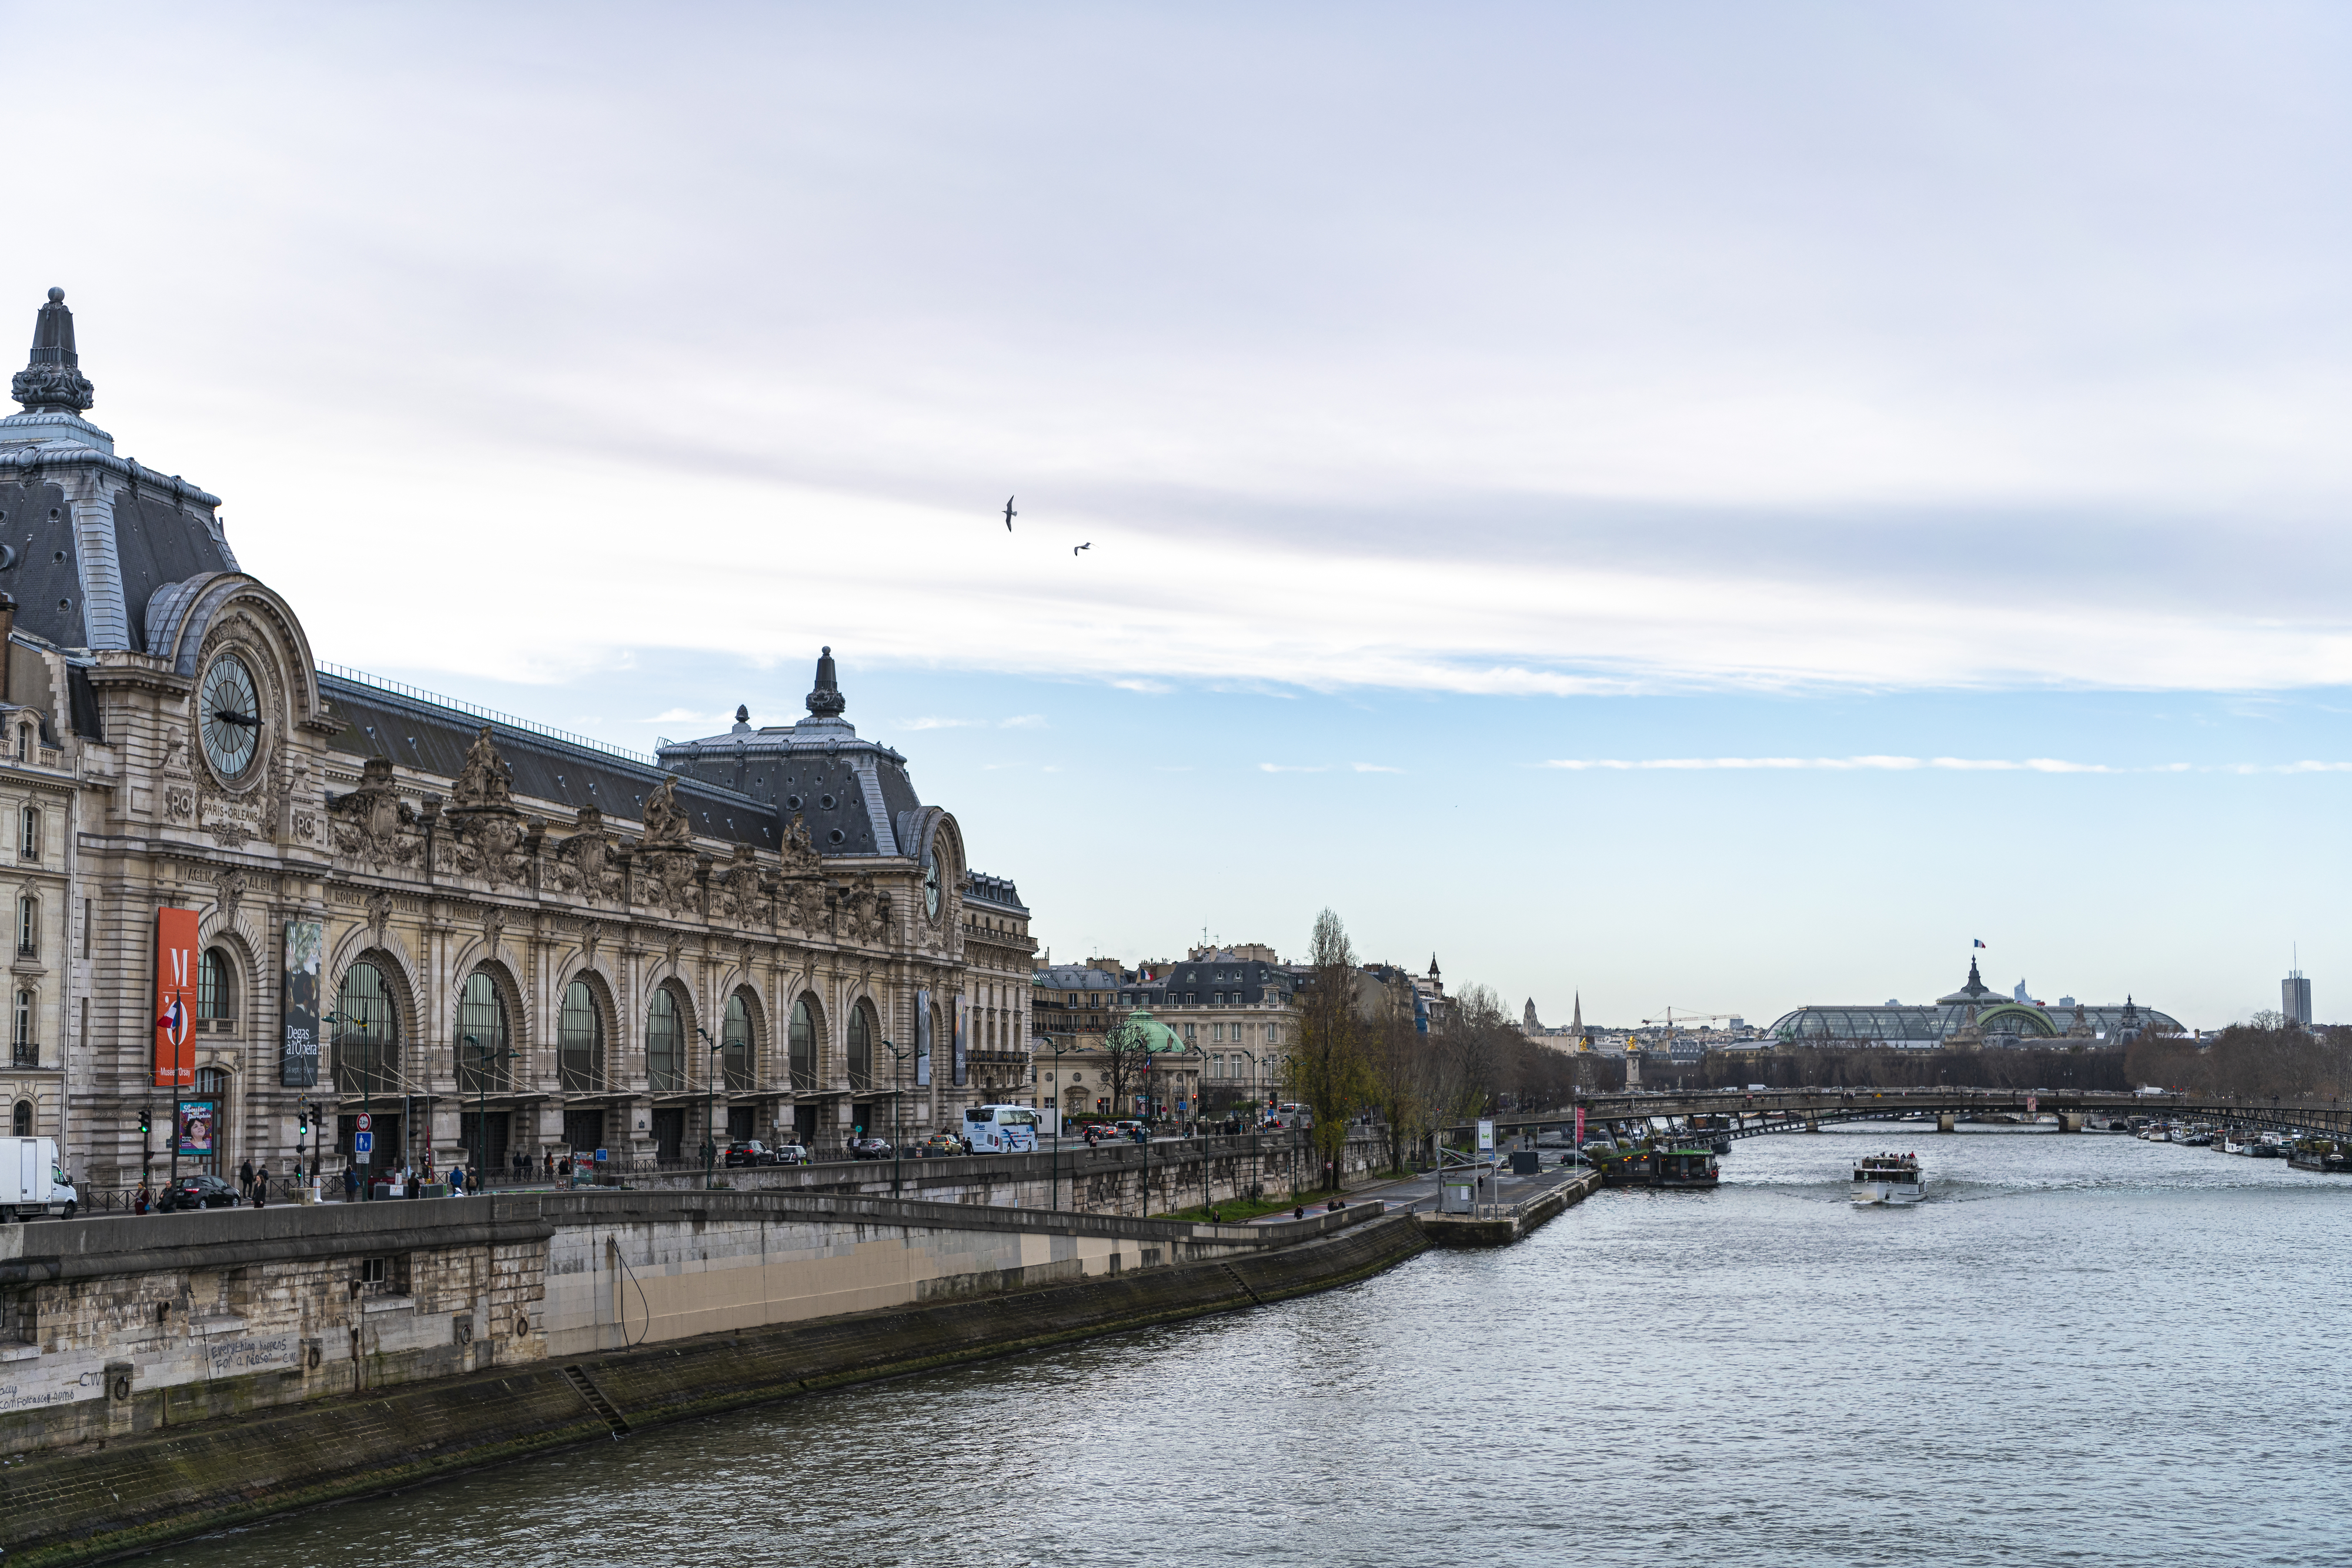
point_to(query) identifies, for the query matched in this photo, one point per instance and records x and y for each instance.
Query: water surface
(2082, 1349)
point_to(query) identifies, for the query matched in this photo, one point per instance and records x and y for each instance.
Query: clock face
(229, 717)
(931, 886)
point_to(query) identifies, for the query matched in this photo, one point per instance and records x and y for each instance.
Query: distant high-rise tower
(2294, 999)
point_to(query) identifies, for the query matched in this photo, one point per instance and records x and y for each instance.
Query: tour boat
(2230, 1144)
(1888, 1178)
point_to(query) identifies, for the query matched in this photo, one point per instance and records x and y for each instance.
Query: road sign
(363, 1143)
(366, 1122)
(1486, 1136)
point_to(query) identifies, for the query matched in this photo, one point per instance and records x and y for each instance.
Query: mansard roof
(854, 794)
(92, 535)
(432, 738)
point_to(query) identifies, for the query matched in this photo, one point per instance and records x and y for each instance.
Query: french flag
(1978, 942)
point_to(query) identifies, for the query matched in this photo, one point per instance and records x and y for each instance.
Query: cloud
(1375, 768)
(1910, 764)
(1024, 721)
(1291, 768)
(942, 723)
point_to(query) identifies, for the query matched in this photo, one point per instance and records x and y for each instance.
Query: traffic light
(302, 1122)
(142, 1121)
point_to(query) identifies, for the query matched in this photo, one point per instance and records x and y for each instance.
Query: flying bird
(1009, 514)
(1076, 549)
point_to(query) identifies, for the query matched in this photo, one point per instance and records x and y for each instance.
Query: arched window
(23, 1034)
(28, 927)
(213, 984)
(804, 1047)
(482, 1015)
(366, 1033)
(28, 835)
(861, 1049)
(580, 1039)
(665, 1048)
(23, 742)
(735, 1045)
(21, 1122)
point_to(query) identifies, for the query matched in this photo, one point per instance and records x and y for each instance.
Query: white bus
(1001, 1129)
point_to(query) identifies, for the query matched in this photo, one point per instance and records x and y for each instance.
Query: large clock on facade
(230, 716)
(931, 885)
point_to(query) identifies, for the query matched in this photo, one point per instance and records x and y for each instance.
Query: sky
(1716, 507)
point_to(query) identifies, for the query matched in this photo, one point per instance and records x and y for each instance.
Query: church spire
(826, 701)
(52, 378)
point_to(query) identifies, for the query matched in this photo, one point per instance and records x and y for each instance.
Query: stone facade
(527, 941)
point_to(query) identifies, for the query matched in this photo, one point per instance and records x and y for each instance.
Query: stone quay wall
(1110, 1179)
(133, 1324)
(743, 1294)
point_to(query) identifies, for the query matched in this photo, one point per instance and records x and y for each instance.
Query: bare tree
(1326, 1068)
(1126, 1059)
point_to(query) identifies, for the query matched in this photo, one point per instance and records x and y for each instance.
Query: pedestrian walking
(245, 1179)
(351, 1184)
(261, 1184)
(457, 1181)
(141, 1199)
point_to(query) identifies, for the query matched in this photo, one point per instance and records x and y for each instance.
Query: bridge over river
(1754, 1114)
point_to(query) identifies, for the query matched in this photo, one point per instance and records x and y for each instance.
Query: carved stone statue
(486, 780)
(665, 823)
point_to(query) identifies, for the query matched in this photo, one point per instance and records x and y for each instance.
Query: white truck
(32, 1183)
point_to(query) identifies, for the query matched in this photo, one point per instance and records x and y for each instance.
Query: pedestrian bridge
(1750, 1115)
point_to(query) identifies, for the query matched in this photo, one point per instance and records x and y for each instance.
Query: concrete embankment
(144, 1465)
(1501, 1228)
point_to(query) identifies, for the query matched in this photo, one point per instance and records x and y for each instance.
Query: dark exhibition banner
(297, 1062)
(962, 1068)
(922, 1039)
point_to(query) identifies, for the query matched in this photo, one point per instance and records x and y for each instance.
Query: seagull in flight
(1076, 549)
(1009, 514)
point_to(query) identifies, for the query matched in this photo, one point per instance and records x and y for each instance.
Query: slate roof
(433, 739)
(81, 578)
(854, 794)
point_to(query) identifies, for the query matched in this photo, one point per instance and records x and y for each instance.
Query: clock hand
(230, 716)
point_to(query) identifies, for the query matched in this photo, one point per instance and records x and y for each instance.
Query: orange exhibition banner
(175, 997)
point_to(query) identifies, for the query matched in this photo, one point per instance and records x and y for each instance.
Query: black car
(196, 1191)
(748, 1152)
(868, 1149)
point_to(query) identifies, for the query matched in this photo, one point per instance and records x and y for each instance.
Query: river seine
(2080, 1350)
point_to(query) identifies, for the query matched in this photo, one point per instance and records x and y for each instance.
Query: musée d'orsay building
(249, 893)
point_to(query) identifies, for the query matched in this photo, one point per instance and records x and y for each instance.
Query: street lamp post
(897, 1119)
(1254, 1122)
(709, 1112)
(483, 1057)
(344, 1020)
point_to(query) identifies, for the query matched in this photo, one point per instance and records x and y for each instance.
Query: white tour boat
(1888, 1178)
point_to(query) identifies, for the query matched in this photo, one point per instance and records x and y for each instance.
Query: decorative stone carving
(799, 854)
(180, 802)
(231, 894)
(487, 829)
(665, 823)
(373, 825)
(591, 937)
(378, 915)
(584, 863)
(494, 925)
(175, 753)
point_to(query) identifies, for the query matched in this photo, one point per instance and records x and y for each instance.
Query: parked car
(1130, 1129)
(197, 1190)
(869, 1148)
(938, 1146)
(791, 1154)
(748, 1152)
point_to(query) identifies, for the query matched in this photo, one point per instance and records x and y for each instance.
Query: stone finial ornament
(53, 378)
(826, 701)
